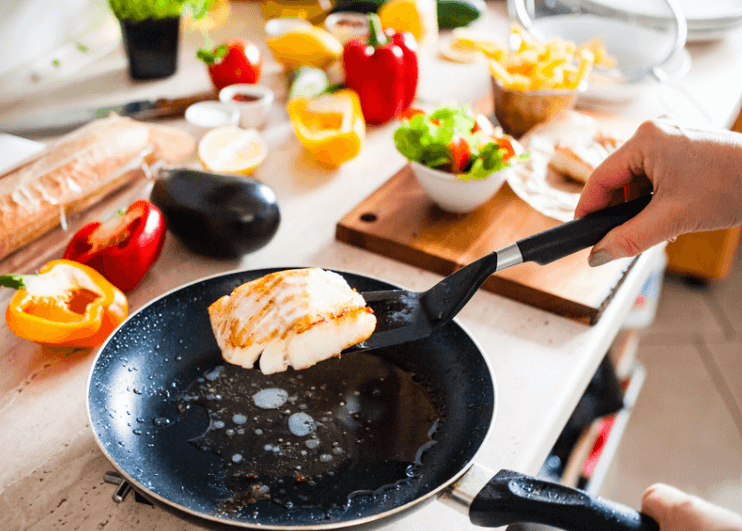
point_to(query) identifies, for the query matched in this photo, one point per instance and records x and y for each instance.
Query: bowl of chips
(535, 80)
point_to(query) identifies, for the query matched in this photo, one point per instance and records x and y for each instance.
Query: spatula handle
(567, 238)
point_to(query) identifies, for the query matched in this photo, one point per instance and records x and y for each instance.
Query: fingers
(607, 181)
(675, 510)
(625, 167)
(657, 223)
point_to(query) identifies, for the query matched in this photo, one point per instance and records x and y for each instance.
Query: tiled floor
(686, 426)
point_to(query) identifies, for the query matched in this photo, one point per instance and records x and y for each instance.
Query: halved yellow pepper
(67, 304)
(331, 126)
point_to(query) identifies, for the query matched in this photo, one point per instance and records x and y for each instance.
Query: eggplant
(221, 216)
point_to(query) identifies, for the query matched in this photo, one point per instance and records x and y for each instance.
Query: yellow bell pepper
(311, 46)
(67, 304)
(331, 126)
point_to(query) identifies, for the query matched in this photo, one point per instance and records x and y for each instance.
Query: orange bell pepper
(330, 126)
(67, 304)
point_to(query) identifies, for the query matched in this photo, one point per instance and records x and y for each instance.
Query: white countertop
(52, 473)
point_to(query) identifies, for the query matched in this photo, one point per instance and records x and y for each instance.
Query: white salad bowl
(456, 195)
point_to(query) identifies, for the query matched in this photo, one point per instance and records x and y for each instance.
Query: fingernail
(598, 258)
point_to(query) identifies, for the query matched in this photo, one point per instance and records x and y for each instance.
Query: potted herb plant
(151, 33)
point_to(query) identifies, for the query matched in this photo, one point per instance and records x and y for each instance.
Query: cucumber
(458, 13)
(308, 82)
(359, 6)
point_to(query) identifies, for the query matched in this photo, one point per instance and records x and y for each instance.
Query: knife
(64, 120)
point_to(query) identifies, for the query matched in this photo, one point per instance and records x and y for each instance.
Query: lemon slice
(230, 149)
(458, 52)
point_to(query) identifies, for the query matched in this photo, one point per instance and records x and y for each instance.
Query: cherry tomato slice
(460, 153)
(409, 114)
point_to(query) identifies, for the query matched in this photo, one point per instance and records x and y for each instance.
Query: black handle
(573, 236)
(511, 497)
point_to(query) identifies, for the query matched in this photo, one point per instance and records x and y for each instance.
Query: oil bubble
(161, 422)
(214, 373)
(270, 398)
(301, 424)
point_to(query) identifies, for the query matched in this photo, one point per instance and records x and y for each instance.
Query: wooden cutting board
(399, 221)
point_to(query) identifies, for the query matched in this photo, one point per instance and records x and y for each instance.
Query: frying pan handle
(573, 236)
(511, 497)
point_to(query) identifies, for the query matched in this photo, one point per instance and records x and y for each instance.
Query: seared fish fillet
(580, 160)
(295, 317)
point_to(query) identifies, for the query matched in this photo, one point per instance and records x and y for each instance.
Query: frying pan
(152, 361)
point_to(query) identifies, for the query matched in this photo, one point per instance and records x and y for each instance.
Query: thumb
(674, 510)
(657, 223)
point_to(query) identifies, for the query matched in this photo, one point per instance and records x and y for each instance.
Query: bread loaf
(77, 171)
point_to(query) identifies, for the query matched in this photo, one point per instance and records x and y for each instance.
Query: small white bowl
(210, 114)
(347, 25)
(455, 195)
(278, 26)
(254, 113)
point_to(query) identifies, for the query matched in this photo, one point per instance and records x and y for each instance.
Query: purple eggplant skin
(217, 215)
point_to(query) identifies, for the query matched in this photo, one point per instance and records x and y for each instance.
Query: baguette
(74, 173)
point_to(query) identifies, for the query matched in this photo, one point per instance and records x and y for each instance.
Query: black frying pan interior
(164, 347)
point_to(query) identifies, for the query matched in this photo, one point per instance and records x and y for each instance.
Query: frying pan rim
(268, 527)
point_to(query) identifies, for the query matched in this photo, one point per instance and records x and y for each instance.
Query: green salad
(455, 140)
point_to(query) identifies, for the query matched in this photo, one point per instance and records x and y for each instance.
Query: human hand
(675, 510)
(696, 176)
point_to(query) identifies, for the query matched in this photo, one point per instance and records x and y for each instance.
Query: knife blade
(64, 120)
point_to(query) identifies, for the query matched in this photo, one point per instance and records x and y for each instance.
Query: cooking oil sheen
(317, 437)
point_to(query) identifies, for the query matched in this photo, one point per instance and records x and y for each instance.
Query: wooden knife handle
(177, 106)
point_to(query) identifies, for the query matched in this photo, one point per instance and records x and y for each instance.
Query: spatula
(404, 316)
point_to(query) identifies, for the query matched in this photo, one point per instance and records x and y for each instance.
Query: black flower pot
(152, 46)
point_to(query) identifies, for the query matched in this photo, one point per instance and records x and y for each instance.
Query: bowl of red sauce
(347, 25)
(253, 101)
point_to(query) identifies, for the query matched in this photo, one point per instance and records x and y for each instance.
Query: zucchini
(359, 6)
(458, 13)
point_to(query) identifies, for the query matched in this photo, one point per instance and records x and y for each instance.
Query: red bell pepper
(383, 71)
(123, 248)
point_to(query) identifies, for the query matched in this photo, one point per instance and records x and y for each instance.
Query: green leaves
(488, 161)
(209, 57)
(13, 281)
(425, 138)
(147, 9)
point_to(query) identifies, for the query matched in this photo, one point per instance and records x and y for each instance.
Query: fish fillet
(291, 318)
(579, 160)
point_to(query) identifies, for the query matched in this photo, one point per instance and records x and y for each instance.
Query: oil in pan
(313, 438)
